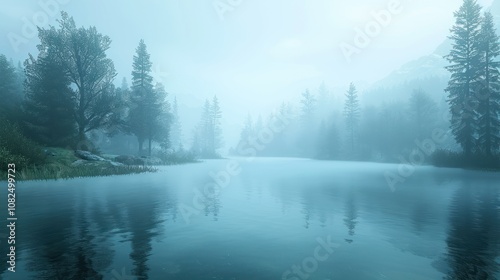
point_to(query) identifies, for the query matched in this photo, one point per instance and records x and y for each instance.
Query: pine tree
(464, 58)
(351, 114)
(176, 130)
(307, 124)
(50, 105)
(489, 106)
(142, 96)
(216, 115)
(248, 130)
(423, 112)
(204, 133)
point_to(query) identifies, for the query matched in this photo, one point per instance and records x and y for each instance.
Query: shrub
(16, 148)
(175, 157)
(447, 158)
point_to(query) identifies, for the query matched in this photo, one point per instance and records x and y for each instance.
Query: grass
(49, 173)
(59, 166)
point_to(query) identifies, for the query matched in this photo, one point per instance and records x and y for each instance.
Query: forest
(66, 97)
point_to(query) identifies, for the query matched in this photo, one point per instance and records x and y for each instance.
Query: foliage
(179, 156)
(50, 104)
(351, 114)
(149, 117)
(208, 134)
(464, 58)
(82, 54)
(448, 158)
(489, 101)
(10, 89)
(16, 148)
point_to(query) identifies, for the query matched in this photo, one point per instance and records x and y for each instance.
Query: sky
(251, 54)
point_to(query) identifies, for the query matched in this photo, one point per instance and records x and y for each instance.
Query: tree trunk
(140, 145)
(149, 148)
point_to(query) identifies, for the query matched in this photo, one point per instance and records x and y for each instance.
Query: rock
(114, 163)
(78, 162)
(88, 156)
(129, 160)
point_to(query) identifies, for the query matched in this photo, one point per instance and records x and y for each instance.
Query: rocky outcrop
(88, 156)
(129, 160)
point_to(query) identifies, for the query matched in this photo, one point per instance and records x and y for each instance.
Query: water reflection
(474, 232)
(351, 215)
(267, 220)
(73, 233)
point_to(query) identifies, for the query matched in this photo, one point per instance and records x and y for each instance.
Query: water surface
(271, 221)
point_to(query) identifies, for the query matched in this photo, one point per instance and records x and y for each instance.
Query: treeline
(326, 126)
(463, 131)
(65, 96)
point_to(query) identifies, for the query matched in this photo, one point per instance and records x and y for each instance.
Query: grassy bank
(60, 164)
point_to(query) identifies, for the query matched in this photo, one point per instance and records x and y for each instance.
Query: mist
(268, 116)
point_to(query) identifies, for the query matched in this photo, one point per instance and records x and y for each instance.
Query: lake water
(274, 219)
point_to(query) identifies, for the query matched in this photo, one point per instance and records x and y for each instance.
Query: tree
(82, 53)
(148, 118)
(209, 136)
(248, 129)
(176, 129)
(10, 91)
(308, 102)
(50, 104)
(142, 86)
(206, 130)
(464, 58)
(351, 114)
(307, 124)
(489, 104)
(159, 118)
(216, 115)
(328, 144)
(423, 113)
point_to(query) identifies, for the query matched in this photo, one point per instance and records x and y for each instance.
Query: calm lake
(274, 219)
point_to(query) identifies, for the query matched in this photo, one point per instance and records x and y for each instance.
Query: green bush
(447, 158)
(176, 157)
(16, 148)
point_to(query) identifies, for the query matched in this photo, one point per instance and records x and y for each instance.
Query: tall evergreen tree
(307, 124)
(248, 130)
(423, 113)
(142, 96)
(351, 114)
(465, 71)
(176, 130)
(209, 130)
(49, 108)
(489, 106)
(216, 115)
(205, 133)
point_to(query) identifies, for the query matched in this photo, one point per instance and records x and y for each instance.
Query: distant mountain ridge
(427, 72)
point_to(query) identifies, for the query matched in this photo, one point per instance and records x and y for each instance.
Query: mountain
(427, 73)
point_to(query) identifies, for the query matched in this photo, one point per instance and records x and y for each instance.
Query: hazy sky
(255, 53)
